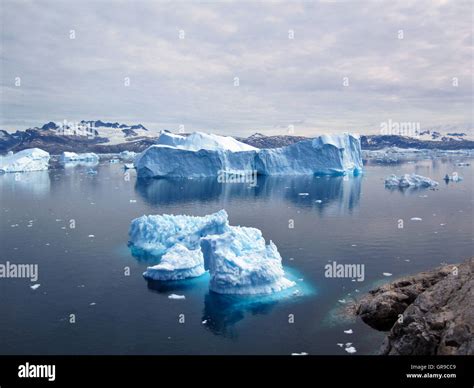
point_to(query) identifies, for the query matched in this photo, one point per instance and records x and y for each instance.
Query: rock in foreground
(437, 308)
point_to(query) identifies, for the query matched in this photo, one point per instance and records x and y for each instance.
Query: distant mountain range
(105, 137)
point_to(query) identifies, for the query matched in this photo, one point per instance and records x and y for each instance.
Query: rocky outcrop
(427, 314)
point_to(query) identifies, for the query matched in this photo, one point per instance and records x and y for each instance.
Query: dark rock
(437, 310)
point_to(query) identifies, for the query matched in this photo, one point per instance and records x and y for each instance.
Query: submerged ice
(237, 258)
(204, 155)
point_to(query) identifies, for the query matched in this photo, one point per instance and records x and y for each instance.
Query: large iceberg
(237, 258)
(409, 180)
(202, 141)
(240, 262)
(202, 155)
(32, 159)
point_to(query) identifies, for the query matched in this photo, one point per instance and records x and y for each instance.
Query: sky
(237, 68)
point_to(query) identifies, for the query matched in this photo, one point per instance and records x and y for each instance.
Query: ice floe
(409, 180)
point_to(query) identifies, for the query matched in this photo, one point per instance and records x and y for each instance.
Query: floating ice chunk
(318, 201)
(128, 166)
(350, 349)
(92, 304)
(177, 263)
(240, 262)
(237, 258)
(340, 345)
(35, 286)
(88, 157)
(127, 155)
(454, 178)
(156, 234)
(299, 354)
(32, 159)
(416, 219)
(202, 155)
(409, 180)
(348, 331)
(386, 274)
(303, 194)
(175, 296)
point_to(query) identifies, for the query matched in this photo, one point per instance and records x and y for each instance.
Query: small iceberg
(127, 155)
(237, 258)
(72, 157)
(452, 178)
(240, 262)
(32, 159)
(175, 296)
(409, 180)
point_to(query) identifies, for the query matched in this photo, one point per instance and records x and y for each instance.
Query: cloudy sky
(242, 67)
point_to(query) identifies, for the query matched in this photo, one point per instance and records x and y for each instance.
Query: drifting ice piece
(177, 263)
(413, 180)
(156, 235)
(32, 159)
(68, 157)
(127, 155)
(239, 262)
(203, 155)
(237, 258)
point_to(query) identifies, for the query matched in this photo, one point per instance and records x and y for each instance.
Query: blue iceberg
(237, 258)
(204, 155)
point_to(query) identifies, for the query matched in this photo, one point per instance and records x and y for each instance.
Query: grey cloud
(282, 81)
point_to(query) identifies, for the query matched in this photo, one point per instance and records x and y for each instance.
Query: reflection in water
(36, 183)
(222, 312)
(80, 163)
(334, 194)
(166, 287)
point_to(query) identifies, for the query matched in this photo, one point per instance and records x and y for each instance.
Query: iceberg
(177, 263)
(202, 141)
(239, 262)
(409, 180)
(237, 258)
(32, 159)
(127, 155)
(71, 157)
(155, 235)
(202, 155)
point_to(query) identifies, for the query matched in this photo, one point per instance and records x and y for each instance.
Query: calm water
(356, 223)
